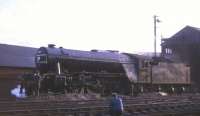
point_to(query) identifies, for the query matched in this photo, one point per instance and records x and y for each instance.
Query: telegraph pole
(153, 62)
(155, 35)
(155, 22)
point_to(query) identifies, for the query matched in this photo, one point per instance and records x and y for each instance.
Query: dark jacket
(116, 104)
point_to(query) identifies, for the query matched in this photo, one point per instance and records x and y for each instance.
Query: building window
(145, 64)
(168, 51)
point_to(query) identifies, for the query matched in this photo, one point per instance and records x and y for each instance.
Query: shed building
(184, 46)
(14, 61)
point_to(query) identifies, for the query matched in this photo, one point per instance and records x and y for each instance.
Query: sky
(124, 25)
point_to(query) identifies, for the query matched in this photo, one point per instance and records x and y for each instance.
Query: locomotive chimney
(51, 45)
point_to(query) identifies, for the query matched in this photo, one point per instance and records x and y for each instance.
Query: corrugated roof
(17, 56)
(192, 34)
(187, 35)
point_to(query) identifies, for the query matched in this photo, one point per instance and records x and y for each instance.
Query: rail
(139, 105)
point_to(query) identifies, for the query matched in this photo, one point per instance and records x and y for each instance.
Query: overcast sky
(124, 25)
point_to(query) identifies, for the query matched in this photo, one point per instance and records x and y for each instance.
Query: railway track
(150, 106)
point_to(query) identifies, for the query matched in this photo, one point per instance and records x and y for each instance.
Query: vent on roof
(94, 50)
(113, 51)
(51, 45)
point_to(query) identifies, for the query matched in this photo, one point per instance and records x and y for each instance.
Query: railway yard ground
(152, 104)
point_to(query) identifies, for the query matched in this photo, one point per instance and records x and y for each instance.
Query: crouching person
(116, 105)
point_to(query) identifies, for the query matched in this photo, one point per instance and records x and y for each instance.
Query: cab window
(41, 59)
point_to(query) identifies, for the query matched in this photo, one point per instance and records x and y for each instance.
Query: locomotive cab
(41, 60)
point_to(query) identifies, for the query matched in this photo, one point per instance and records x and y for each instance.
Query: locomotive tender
(65, 70)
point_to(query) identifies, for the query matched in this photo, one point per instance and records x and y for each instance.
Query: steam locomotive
(62, 70)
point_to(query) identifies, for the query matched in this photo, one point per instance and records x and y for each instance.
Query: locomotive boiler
(61, 70)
